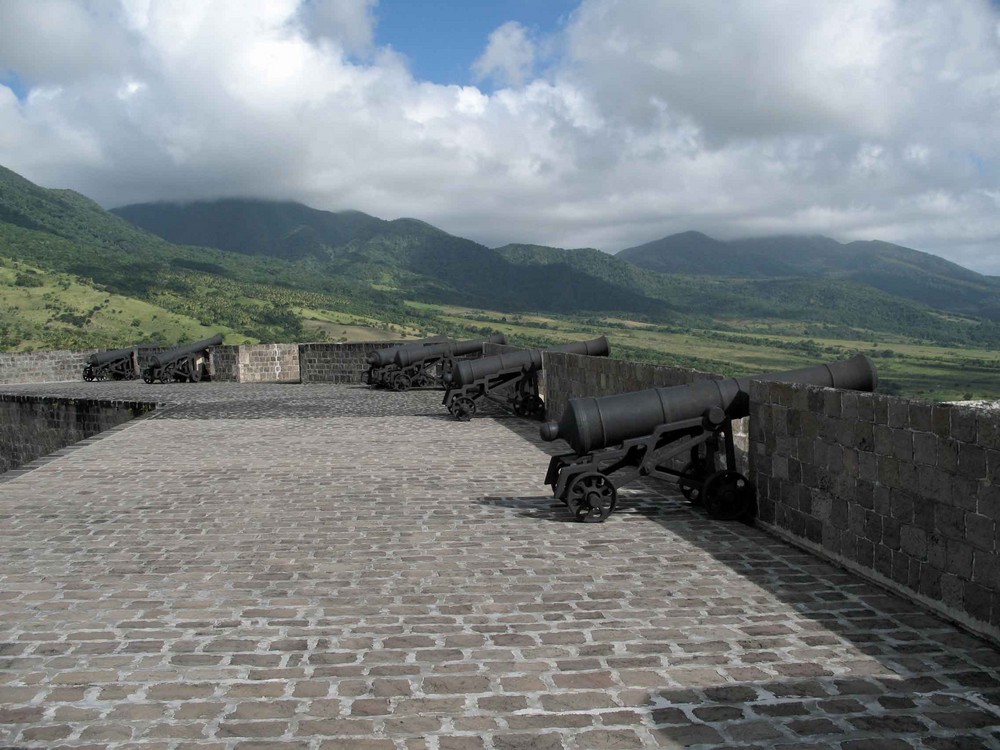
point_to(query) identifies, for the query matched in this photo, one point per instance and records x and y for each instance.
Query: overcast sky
(602, 123)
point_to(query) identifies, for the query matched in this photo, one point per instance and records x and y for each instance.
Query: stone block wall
(42, 367)
(905, 492)
(258, 363)
(34, 426)
(337, 363)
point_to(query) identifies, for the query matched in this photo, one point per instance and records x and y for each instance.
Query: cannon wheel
(88, 373)
(464, 408)
(401, 383)
(532, 407)
(195, 370)
(728, 495)
(166, 374)
(690, 482)
(591, 497)
(148, 376)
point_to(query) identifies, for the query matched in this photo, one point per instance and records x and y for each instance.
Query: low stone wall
(257, 363)
(34, 426)
(337, 363)
(42, 367)
(575, 376)
(905, 492)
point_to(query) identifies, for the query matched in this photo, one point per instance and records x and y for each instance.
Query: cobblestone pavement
(329, 567)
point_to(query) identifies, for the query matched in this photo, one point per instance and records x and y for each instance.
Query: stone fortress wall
(904, 492)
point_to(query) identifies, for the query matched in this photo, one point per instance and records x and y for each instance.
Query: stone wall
(905, 492)
(42, 367)
(337, 363)
(258, 363)
(34, 426)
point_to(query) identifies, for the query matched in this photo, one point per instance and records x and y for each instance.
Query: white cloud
(871, 119)
(509, 57)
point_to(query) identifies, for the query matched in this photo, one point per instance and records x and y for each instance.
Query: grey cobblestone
(324, 566)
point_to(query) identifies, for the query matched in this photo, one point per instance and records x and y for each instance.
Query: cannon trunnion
(510, 378)
(117, 364)
(628, 436)
(185, 363)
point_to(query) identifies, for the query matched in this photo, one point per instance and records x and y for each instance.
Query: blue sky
(442, 38)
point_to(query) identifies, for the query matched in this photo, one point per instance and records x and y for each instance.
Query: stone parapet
(42, 367)
(34, 426)
(337, 363)
(256, 363)
(906, 492)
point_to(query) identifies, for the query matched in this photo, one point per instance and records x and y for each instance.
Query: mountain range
(259, 266)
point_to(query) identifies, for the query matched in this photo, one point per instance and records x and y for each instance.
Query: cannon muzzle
(411, 355)
(466, 373)
(592, 423)
(383, 357)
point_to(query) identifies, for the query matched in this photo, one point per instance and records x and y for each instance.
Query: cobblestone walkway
(329, 567)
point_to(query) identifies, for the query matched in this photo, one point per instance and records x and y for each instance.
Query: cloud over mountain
(864, 119)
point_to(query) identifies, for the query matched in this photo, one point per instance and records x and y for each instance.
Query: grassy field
(906, 367)
(44, 310)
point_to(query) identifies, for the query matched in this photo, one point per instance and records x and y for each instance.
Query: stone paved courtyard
(265, 566)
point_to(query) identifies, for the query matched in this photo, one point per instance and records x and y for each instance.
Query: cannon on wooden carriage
(117, 364)
(620, 438)
(510, 379)
(382, 362)
(187, 363)
(430, 365)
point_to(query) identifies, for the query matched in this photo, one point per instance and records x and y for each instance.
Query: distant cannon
(117, 364)
(185, 363)
(382, 362)
(510, 379)
(639, 434)
(426, 365)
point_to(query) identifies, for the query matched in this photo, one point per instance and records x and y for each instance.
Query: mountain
(896, 270)
(430, 264)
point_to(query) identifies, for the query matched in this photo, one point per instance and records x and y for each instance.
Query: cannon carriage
(117, 364)
(382, 367)
(187, 363)
(510, 379)
(432, 365)
(621, 438)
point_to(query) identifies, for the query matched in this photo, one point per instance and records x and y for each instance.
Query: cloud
(860, 120)
(509, 57)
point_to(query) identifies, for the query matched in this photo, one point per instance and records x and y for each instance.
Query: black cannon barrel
(466, 373)
(162, 358)
(100, 358)
(383, 357)
(407, 357)
(592, 423)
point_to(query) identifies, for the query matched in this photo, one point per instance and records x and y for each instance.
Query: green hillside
(899, 271)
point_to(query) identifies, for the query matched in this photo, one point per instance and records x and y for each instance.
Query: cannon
(426, 365)
(185, 363)
(510, 379)
(382, 362)
(648, 433)
(117, 364)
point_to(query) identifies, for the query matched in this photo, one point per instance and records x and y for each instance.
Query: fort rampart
(904, 492)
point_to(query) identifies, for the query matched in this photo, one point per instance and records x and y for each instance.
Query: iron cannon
(117, 364)
(186, 363)
(648, 433)
(426, 365)
(510, 378)
(382, 362)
